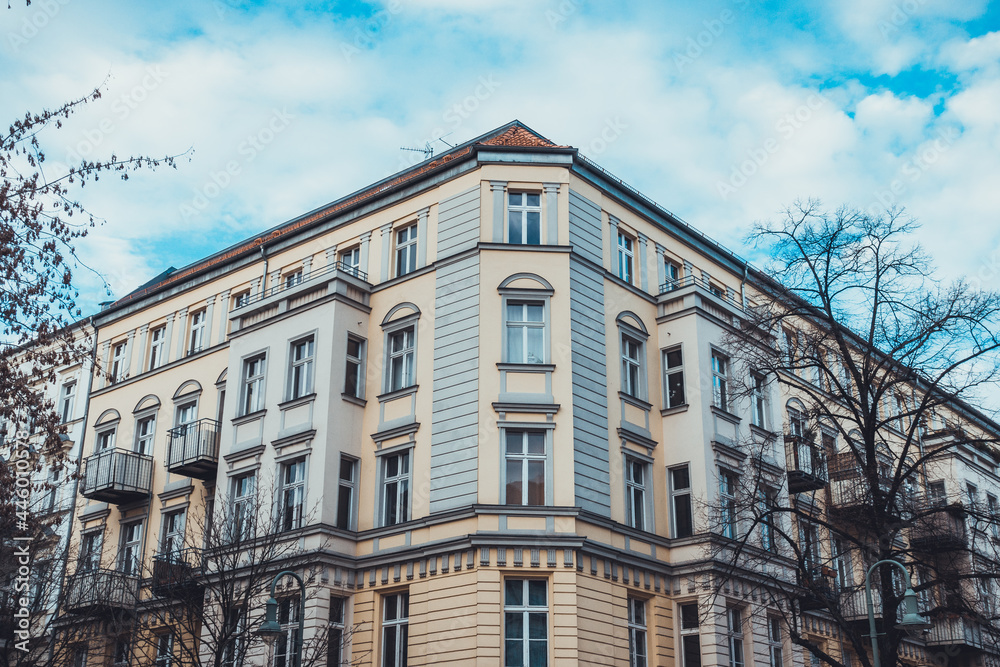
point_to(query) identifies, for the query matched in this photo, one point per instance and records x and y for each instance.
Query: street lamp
(912, 620)
(270, 629)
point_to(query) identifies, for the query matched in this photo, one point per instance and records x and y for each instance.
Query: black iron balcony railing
(282, 286)
(193, 449)
(807, 465)
(117, 476)
(818, 590)
(96, 591)
(958, 631)
(177, 573)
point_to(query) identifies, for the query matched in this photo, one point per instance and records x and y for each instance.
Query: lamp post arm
(871, 605)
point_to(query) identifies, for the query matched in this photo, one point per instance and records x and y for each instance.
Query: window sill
(399, 393)
(249, 417)
(637, 402)
(295, 402)
(762, 432)
(725, 414)
(677, 409)
(351, 398)
(521, 368)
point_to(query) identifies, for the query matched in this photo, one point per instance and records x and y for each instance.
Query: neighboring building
(482, 402)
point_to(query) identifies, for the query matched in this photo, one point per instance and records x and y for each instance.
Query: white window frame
(405, 358)
(638, 493)
(626, 257)
(720, 380)
(130, 550)
(286, 643)
(525, 461)
(234, 631)
(118, 357)
(729, 482)
(633, 367)
(291, 279)
(252, 383)
(240, 299)
(405, 239)
(165, 650)
(145, 434)
(91, 546)
(301, 365)
(758, 401)
(243, 517)
(670, 374)
(172, 532)
(676, 493)
(526, 611)
(688, 632)
(638, 648)
(347, 491)
(67, 401)
(357, 362)
(292, 496)
(157, 346)
(775, 642)
(337, 626)
(521, 211)
(521, 328)
(395, 623)
(672, 274)
(734, 637)
(105, 439)
(350, 260)
(766, 502)
(397, 488)
(196, 335)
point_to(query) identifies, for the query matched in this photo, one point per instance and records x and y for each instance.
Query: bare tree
(881, 366)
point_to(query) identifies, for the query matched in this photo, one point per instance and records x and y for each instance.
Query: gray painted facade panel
(585, 227)
(458, 223)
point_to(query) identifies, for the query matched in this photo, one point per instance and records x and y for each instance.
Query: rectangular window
(690, 631)
(992, 508)
(938, 496)
(672, 272)
(775, 642)
(355, 374)
(130, 553)
(293, 494)
(632, 367)
(292, 279)
(172, 535)
(734, 622)
(524, 454)
(395, 629)
(51, 492)
(637, 632)
(335, 636)
(157, 344)
(524, 218)
(123, 651)
(395, 488)
(843, 575)
(118, 363)
(720, 380)
(145, 430)
(232, 639)
(301, 369)
(626, 256)
(243, 510)
(525, 332)
(636, 474)
(680, 502)
(67, 401)
(241, 299)
(196, 340)
(165, 650)
(790, 340)
(401, 359)
(286, 645)
(972, 494)
(758, 400)
(809, 546)
(105, 440)
(673, 369)
(767, 502)
(526, 623)
(350, 260)
(80, 657)
(253, 385)
(727, 496)
(90, 552)
(346, 492)
(406, 250)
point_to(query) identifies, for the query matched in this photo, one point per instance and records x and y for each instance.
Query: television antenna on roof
(428, 149)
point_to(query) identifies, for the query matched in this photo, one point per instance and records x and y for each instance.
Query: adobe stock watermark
(988, 272)
(248, 149)
(121, 108)
(697, 45)
(609, 134)
(45, 11)
(22, 554)
(365, 35)
(741, 172)
(914, 168)
(562, 12)
(898, 16)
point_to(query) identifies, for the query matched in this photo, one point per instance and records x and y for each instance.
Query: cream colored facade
(511, 434)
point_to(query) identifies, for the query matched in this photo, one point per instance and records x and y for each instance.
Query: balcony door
(186, 418)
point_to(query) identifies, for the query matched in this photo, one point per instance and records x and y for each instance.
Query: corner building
(481, 392)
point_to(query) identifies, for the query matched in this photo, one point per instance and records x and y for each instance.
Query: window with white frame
(790, 340)
(775, 642)
(172, 535)
(395, 629)
(80, 656)
(637, 632)
(525, 332)
(293, 494)
(406, 250)
(758, 400)
(809, 546)
(242, 507)
(636, 482)
(233, 637)
(118, 363)
(401, 360)
(767, 504)
(681, 514)
(992, 507)
(90, 551)
(145, 430)
(690, 632)
(728, 482)
(335, 639)
(632, 376)
(525, 467)
(252, 399)
(286, 645)
(673, 371)
(734, 625)
(354, 382)
(526, 622)
(105, 439)
(157, 346)
(196, 338)
(51, 492)
(241, 299)
(395, 488)
(292, 279)
(720, 380)
(130, 552)
(524, 218)
(350, 260)
(626, 257)
(67, 401)
(123, 652)
(842, 567)
(300, 371)
(672, 272)
(346, 492)
(165, 650)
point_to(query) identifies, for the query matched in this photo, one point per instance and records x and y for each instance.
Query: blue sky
(723, 112)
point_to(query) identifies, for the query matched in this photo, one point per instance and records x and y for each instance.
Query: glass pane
(534, 228)
(514, 233)
(515, 312)
(680, 478)
(682, 510)
(515, 344)
(513, 492)
(389, 647)
(537, 626)
(536, 312)
(513, 625)
(513, 654)
(390, 608)
(535, 352)
(536, 442)
(638, 512)
(391, 466)
(514, 198)
(513, 593)
(689, 616)
(536, 482)
(538, 654)
(533, 198)
(537, 593)
(353, 347)
(514, 442)
(346, 469)
(404, 603)
(404, 463)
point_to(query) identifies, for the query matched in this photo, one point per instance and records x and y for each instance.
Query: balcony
(101, 591)
(691, 292)
(817, 590)
(937, 525)
(117, 476)
(193, 449)
(177, 574)
(959, 631)
(807, 466)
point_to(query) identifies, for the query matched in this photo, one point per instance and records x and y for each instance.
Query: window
(790, 340)
(90, 552)
(680, 502)
(123, 651)
(232, 639)
(395, 488)
(253, 385)
(632, 367)
(355, 375)
(241, 299)
(720, 380)
(809, 547)
(727, 495)
(165, 650)
(774, 642)
(673, 370)
(105, 440)
(524, 218)
(525, 332)
(406, 250)
(636, 474)
(80, 657)
(526, 623)
(292, 279)
(51, 492)
(345, 495)
(636, 632)
(197, 338)
(130, 555)
(286, 646)
(626, 256)
(734, 623)
(172, 538)
(690, 640)
(972, 494)
(401, 359)
(118, 363)
(524, 453)
(350, 260)
(672, 272)
(767, 502)
(301, 369)
(758, 401)
(157, 343)
(843, 575)
(66, 403)
(335, 635)
(992, 508)
(145, 430)
(242, 523)
(395, 629)
(293, 494)
(938, 496)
